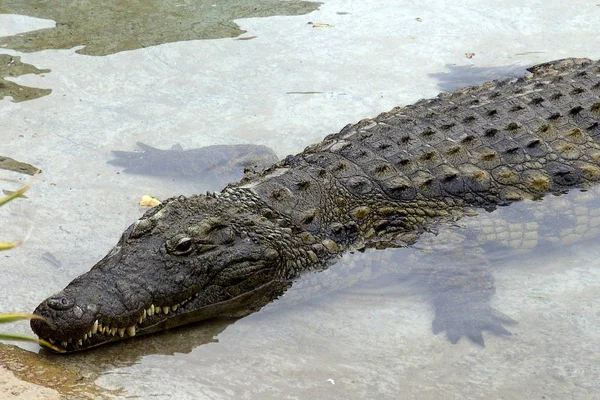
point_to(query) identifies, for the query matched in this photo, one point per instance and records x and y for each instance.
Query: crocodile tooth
(70, 340)
(157, 309)
(131, 330)
(100, 328)
(121, 332)
(113, 331)
(166, 309)
(80, 342)
(85, 336)
(144, 314)
(151, 310)
(95, 327)
(175, 307)
(51, 340)
(63, 344)
(140, 319)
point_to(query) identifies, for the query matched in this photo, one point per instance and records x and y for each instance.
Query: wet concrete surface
(286, 88)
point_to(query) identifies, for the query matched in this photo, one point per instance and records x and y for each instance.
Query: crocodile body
(378, 184)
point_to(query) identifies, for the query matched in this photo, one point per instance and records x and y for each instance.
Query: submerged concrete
(109, 27)
(11, 66)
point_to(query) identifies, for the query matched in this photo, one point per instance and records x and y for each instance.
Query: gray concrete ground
(287, 86)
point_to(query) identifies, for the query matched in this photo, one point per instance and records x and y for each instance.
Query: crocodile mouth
(154, 318)
(149, 320)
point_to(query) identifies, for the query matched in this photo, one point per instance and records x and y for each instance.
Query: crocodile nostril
(59, 303)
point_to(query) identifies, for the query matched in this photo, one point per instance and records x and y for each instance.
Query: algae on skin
(12, 66)
(111, 26)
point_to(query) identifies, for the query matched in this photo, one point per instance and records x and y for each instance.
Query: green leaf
(8, 246)
(25, 338)
(12, 317)
(14, 195)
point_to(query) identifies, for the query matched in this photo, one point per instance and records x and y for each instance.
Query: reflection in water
(215, 165)
(181, 340)
(467, 75)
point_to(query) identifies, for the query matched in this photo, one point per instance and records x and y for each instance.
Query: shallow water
(361, 334)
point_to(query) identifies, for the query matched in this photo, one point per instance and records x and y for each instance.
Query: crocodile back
(491, 144)
(481, 146)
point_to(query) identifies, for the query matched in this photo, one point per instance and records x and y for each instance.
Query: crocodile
(381, 184)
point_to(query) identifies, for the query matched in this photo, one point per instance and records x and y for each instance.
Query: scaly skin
(377, 184)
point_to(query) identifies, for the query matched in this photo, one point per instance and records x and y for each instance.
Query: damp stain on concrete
(107, 27)
(11, 66)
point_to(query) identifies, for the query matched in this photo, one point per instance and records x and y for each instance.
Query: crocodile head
(187, 260)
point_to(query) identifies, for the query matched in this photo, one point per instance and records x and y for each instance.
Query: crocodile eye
(184, 246)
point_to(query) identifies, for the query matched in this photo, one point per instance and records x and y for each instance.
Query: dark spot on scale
(453, 150)
(404, 162)
(491, 113)
(516, 108)
(491, 132)
(488, 156)
(534, 143)
(382, 168)
(536, 101)
(592, 127)
(469, 120)
(556, 96)
(428, 132)
(339, 167)
(512, 150)
(278, 194)
(575, 110)
(427, 182)
(545, 128)
(554, 116)
(405, 139)
(513, 126)
(308, 219)
(468, 139)
(303, 185)
(446, 127)
(450, 177)
(430, 155)
(577, 91)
